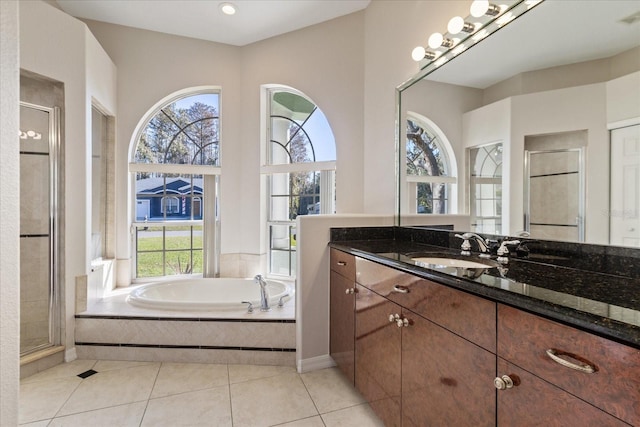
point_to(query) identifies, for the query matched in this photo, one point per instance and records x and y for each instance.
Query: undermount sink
(454, 266)
(448, 262)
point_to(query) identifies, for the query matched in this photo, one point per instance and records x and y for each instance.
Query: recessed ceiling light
(228, 8)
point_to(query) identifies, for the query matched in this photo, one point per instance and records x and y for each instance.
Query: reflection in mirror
(527, 88)
(485, 188)
(430, 180)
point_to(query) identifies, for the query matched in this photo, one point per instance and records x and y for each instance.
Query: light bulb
(456, 24)
(479, 8)
(435, 40)
(418, 53)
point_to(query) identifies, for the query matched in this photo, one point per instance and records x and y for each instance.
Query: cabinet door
(378, 354)
(534, 402)
(613, 384)
(446, 380)
(342, 323)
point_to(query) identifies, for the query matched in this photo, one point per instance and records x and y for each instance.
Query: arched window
(430, 168)
(175, 164)
(299, 164)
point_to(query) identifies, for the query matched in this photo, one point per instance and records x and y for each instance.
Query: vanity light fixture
(228, 8)
(436, 40)
(457, 25)
(483, 7)
(490, 18)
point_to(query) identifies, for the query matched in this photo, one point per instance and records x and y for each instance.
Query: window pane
(433, 198)
(183, 262)
(161, 197)
(282, 249)
(293, 194)
(185, 131)
(299, 131)
(425, 155)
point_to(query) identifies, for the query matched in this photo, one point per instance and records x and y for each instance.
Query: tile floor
(188, 394)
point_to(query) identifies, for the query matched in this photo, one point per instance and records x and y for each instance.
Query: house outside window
(175, 168)
(299, 166)
(430, 174)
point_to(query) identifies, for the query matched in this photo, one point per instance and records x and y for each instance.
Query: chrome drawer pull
(342, 263)
(582, 368)
(401, 289)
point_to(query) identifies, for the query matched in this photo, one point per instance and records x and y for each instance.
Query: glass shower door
(38, 141)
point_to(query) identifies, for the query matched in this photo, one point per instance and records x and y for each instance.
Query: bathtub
(207, 294)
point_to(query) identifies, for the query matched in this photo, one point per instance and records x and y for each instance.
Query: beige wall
(9, 214)
(59, 47)
(152, 65)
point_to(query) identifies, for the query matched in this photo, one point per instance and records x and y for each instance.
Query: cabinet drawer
(534, 402)
(614, 386)
(469, 316)
(343, 263)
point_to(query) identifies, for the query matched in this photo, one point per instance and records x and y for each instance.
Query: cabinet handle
(399, 320)
(342, 263)
(504, 382)
(553, 354)
(349, 291)
(401, 289)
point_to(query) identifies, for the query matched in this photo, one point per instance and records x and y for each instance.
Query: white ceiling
(255, 20)
(556, 32)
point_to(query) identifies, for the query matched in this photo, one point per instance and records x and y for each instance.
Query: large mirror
(536, 128)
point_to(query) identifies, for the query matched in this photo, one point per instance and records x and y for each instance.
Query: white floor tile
(43, 399)
(305, 422)
(361, 416)
(175, 378)
(63, 370)
(111, 365)
(209, 407)
(330, 390)
(270, 401)
(241, 373)
(128, 415)
(112, 388)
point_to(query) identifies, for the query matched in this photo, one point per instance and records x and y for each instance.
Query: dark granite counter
(606, 303)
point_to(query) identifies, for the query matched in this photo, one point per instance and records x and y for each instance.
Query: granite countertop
(605, 304)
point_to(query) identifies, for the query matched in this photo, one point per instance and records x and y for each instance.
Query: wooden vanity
(424, 353)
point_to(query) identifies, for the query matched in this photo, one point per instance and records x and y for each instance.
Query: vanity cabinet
(417, 360)
(428, 354)
(590, 378)
(341, 311)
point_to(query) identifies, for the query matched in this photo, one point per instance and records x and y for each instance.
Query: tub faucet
(264, 294)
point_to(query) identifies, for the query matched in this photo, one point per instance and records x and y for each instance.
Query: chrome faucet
(466, 246)
(264, 294)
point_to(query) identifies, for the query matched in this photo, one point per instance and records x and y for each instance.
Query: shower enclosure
(39, 140)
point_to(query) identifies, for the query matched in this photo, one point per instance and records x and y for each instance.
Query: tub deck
(111, 328)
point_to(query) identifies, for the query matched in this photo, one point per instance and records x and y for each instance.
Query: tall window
(300, 170)
(430, 174)
(175, 166)
(486, 188)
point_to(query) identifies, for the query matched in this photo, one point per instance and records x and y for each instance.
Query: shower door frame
(54, 227)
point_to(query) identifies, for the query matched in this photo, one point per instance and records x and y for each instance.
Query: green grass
(177, 254)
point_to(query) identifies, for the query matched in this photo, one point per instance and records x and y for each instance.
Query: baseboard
(70, 355)
(315, 363)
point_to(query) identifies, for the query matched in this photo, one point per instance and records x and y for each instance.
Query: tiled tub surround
(113, 329)
(596, 288)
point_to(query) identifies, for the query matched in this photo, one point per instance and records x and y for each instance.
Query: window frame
(210, 178)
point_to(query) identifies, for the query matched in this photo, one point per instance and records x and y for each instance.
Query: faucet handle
(503, 249)
(466, 246)
(281, 300)
(249, 307)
